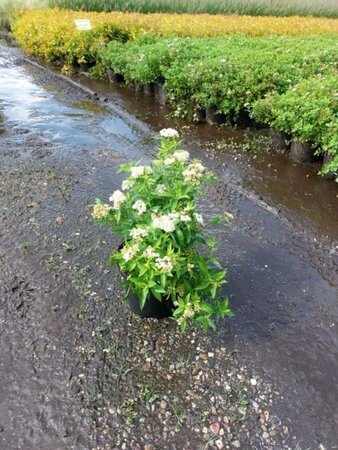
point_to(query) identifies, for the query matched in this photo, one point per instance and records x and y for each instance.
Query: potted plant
(168, 263)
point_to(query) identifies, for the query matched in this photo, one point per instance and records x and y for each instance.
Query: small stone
(163, 404)
(236, 444)
(219, 443)
(214, 428)
(60, 220)
(265, 435)
(255, 405)
(253, 381)
(146, 367)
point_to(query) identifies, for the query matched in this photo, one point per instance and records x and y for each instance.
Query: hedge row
(287, 82)
(51, 33)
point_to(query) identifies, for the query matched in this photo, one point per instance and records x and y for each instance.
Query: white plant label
(83, 24)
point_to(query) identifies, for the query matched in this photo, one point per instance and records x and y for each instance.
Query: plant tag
(83, 24)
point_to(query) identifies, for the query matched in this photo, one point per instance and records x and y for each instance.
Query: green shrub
(308, 112)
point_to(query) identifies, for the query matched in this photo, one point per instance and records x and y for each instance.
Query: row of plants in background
(162, 234)
(251, 7)
(230, 77)
(52, 34)
(289, 83)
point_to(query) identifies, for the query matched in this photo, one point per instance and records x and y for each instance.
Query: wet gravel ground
(79, 371)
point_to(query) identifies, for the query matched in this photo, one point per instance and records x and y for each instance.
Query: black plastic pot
(152, 308)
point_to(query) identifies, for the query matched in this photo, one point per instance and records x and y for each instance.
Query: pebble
(146, 367)
(214, 428)
(236, 444)
(163, 404)
(265, 435)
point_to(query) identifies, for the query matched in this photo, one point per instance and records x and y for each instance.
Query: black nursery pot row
(301, 152)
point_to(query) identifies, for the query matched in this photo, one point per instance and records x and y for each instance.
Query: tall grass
(8, 9)
(326, 8)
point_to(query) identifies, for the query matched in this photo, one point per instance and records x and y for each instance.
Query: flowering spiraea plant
(163, 235)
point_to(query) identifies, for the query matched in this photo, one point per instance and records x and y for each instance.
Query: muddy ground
(77, 370)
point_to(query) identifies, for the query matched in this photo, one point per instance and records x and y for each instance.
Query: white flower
(127, 184)
(101, 211)
(138, 233)
(169, 133)
(117, 198)
(129, 252)
(160, 189)
(199, 218)
(193, 173)
(165, 264)
(181, 155)
(190, 266)
(140, 207)
(169, 161)
(188, 311)
(150, 253)
(139, 171)
(165, 223)
(174, 215)
(185, 218)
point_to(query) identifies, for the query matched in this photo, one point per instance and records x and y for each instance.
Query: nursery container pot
(152, 308)
(302, 152)
(114, 77)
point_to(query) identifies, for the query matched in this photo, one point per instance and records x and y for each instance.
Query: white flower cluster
(193, 173)
(166, 223)
(117, 198)
(181, 155)
(169, 133)
(127, 184)
(140, 207)
(129, 252)
(160, 189)
(169, 161)
(101, 211)
(138, 233)
(150, 253)
(178, 156)
(165, 264)
(184, 217)
(199, 218)
(139, 171)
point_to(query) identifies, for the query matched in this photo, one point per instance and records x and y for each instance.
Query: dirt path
(77, 370)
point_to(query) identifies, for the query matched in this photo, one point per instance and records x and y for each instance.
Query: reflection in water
(27, 105)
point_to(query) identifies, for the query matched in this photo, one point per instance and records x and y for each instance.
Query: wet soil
(77, 369)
